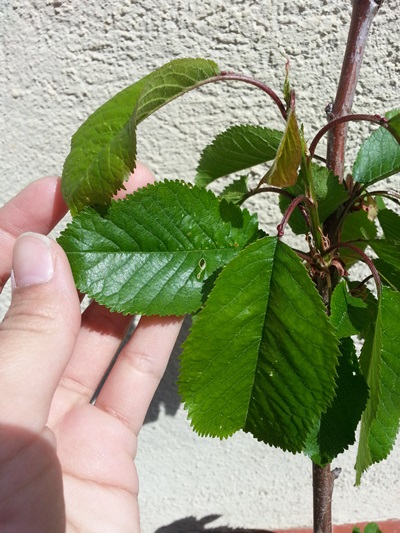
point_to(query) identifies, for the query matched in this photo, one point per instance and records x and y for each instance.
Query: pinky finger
(131, 385)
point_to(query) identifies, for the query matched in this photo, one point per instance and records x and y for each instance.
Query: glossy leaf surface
(103, 150)
(237, 148)
(261, 355)
(378, 157)
(153, 252)
(380, 364)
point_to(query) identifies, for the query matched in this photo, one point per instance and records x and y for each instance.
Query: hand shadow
(194, 525)
(167, 392)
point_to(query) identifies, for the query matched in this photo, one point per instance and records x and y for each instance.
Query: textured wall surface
(60, 59)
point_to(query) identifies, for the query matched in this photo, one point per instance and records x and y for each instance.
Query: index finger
(38, 208)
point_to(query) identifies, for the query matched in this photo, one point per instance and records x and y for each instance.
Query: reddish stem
(294, 203)
(364, 257)
(376, 119)
(232, 76)
(260, 190)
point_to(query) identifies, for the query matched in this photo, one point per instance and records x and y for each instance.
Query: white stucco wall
(59, 60)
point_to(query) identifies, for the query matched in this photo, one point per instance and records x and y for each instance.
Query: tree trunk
(362, 16)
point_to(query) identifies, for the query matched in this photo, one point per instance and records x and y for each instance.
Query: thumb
(38, 333)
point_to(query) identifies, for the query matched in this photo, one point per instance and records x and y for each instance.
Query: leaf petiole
(375, 119)
(292, 206)
(232, 76)
(364, 258)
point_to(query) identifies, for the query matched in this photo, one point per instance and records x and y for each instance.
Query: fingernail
(32, 260)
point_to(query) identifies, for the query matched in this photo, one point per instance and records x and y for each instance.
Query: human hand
(67, 465)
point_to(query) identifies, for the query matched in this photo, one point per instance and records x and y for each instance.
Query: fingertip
(40, 261)
(33, 261)
(141, 177)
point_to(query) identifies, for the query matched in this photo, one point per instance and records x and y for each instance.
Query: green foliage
(103, 150)
(139, 256)
(380, 364)
(369, 528)
(237, 148)
(350, 315)
(390, 224)
(394, 124)
(236, 191)
(283, 171)
(335, 431)
(388, 273)
(356, 227)
(329, 193)
(387, 251)
(379, 156)
(263, 354)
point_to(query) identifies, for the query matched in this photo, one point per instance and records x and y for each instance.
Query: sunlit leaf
(155, 251)
(379, 155)
(380, 364)
(236, 149)
(283, 171)
(261, 355)
(103, 150)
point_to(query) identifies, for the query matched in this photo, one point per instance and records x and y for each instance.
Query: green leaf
(261, 355)
(330, 194)
(356, 226)
(335, 431)
(286, 85)
(372, 528)
(283, 171)
(394, 126)
(237, 148)
(380, 363)
(387, 251)
(388, 273)
(390, 224)
(378, 157)
(347, 312)
(155, 251)
(236, 191)
(103, 150)
(369, 528)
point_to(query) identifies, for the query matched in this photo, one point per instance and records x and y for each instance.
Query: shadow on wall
(193, 525)
(167, 392)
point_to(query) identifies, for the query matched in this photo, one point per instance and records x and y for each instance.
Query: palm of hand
(55, 445)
